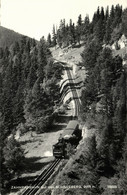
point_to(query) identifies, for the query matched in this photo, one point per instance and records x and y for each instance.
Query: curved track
(75, 95)
(41, 179)
(72, 88)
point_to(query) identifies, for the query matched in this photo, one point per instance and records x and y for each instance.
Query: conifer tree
(8, 99)
(90, 54)
(90, 161)
(124, 23)
(86, 27)
(27, 64)
(79, 29)
(107, 13)
(49, 40)
(108, 31)
(42, 59)
(32, 70)
(54, 38)
(13, 155)
(117, 16)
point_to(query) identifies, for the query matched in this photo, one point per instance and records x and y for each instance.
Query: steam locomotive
(71, 135)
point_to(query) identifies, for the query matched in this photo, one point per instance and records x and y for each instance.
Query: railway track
(73, 90)
(74, 93)
(41, 179)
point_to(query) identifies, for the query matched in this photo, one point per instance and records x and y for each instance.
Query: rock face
(121, 43)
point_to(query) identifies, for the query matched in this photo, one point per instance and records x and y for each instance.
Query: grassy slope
(71, 55)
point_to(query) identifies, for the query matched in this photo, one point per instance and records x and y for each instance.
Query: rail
(75, 95)
(41, 179)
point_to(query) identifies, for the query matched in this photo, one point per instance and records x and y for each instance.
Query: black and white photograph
(63, 97)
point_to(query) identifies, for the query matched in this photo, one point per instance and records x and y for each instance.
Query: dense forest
(29, 89)
(103, 159)
(106, 26)
(104, 96)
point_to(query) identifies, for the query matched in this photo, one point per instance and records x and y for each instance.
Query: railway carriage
(71, 135)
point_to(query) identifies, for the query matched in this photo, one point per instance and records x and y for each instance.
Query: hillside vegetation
(29, 89)
(100, 165)
(7, 37)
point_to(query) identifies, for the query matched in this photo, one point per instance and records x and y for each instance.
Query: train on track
(71, 135)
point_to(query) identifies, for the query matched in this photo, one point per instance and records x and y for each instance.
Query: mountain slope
(7, 37)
